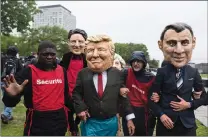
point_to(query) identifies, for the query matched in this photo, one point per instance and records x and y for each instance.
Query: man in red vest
(138, 82)
(45, 89)
(73, 62)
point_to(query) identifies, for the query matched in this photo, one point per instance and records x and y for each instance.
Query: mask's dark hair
(77, 31)
(178, 27)
(46, 44)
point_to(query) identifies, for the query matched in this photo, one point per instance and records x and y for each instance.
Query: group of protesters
(92, 88)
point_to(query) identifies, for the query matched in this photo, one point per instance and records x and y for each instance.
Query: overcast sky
(140, 21)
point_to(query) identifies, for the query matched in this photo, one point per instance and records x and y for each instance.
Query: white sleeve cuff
(130, 116)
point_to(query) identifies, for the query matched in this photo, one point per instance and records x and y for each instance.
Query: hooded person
(175, 81)
(45, 90)
(96, 94)
(138, 82)
(10, 64)
(73, 62)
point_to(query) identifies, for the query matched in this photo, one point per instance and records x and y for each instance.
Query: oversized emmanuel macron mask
(99, 53)
(177, 42)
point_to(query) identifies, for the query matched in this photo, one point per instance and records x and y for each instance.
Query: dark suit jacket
(67, 58)
(85, 96)
(166, 83)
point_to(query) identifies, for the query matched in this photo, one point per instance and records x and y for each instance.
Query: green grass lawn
(204, 75)
(15, 127)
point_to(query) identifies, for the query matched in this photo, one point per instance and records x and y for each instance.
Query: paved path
(202, 114)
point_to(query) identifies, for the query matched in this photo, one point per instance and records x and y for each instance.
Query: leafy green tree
(153, 63)
(7, 41)
(17, 14)
(29, 41)
(126, 49)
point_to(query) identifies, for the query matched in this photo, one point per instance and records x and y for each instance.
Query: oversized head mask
(99, 53)
(177, 43)
(76, 41)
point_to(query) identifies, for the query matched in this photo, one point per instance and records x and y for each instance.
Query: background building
(55, 15)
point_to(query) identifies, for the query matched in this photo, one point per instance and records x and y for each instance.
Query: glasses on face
(47, 54)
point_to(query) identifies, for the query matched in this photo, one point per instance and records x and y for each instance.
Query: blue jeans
(7, 110)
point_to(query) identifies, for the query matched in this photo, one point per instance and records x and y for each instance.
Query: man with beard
(73, 62)
(97, 91)
(45, 90)
(175, 81)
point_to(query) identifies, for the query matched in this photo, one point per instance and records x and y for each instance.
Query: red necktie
(100, 85)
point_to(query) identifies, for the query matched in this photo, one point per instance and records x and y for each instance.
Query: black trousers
(151, 123)
(178, 130)
(47, 123)
(140, 122)
(73, 123)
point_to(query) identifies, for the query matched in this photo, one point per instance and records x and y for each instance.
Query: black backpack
(9, 66)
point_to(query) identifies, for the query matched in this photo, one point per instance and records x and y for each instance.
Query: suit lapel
(91, 82)
(172, 74)
(111, 78)
(185, 78)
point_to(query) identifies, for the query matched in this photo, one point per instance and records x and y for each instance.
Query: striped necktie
(179, 79)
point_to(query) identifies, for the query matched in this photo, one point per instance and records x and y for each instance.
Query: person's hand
(197, 95)
(119, 132)
(119, 122)
(178, 106)
(12, 87)
(124, 92)
(83, 115)
(155, 97)
(167, 122)
(131, 127)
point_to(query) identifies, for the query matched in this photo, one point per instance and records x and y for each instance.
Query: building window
(60, 13)
(60, 20)
(54, 13)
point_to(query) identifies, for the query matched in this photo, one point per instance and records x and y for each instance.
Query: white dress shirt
(104, 78)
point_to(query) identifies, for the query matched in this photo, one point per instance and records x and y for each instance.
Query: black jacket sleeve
(124, 101)
(67, 97)
(77, 95)
(124, 74)
(12, 101)
(156, 87)
(20, 66)
(198, 86)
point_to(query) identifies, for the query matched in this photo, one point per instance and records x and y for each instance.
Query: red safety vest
(138, 94)
(47, 89)
(73, 69)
